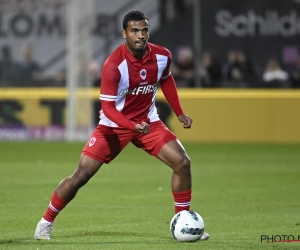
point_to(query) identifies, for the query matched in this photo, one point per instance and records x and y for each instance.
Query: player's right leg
(64, 193)
(103, 146)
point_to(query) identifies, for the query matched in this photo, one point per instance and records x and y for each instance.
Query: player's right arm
(110, 111)
(108, 96)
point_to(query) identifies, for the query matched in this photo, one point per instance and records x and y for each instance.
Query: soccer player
(130, 79)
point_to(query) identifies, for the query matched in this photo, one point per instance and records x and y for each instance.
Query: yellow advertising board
(227, 115)
(242, 116)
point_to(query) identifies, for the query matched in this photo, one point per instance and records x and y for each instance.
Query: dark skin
(172, 153)
(137, 36)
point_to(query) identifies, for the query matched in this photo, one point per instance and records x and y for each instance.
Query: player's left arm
(186, 120)
(169, 89)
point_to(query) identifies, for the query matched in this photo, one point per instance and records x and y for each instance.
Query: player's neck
(139, 55)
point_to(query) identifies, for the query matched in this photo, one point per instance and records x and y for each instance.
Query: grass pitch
(242, 192)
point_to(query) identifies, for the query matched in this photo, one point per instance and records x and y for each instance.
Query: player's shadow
(117, 235)
(8, 241)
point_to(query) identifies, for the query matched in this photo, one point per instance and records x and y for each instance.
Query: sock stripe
(182, 204)
(182, 200)
(53, 208)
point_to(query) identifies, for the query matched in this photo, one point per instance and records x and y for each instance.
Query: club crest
(92, 141)
(143, 74)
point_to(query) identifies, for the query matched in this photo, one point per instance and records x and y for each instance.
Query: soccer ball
(187, 225)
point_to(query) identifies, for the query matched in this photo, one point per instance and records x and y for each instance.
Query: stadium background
(244, 143)
(71, 39)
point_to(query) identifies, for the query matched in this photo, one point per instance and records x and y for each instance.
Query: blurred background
(236, 65)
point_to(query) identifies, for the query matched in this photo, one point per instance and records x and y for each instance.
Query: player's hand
(186, 120)
(142, 128)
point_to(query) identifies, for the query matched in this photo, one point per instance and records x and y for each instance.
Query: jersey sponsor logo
(92, 141)
(143, 74)
(146, 89)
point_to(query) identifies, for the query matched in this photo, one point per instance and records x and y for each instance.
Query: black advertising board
(261, 28)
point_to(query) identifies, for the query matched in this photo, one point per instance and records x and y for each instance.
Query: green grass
(242, 192)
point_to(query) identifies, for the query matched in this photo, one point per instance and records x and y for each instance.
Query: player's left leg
(163, 144)
(174, 155)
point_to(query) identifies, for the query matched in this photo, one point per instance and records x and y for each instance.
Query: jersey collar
(148, 57)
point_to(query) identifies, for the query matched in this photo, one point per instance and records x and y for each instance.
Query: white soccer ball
(187, 225)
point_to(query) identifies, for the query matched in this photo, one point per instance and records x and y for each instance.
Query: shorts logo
(143, 74)
(92, 141)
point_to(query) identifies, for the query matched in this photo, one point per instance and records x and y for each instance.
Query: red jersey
(131, 85)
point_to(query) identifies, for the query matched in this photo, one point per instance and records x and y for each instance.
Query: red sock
(55, 206)
(182, 200)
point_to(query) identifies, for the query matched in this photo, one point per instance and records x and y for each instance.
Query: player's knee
(80, 178)
(83, 179)
(184, 165)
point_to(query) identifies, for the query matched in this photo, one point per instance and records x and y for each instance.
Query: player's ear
(124, 34)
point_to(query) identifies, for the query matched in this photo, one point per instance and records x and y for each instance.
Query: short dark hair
(133, 16)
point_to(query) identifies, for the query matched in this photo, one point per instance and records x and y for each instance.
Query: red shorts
(106, 143)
